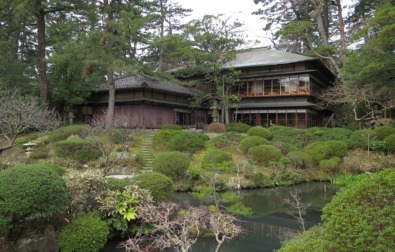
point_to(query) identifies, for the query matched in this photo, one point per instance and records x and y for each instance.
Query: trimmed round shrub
(341, 134)
(329, 165)
(173, 164)
(216, 128)
(160, 186)
(260, 131)
(64, 132)
(326, 150)
(390, 142)
(228, 139)
(76, 149)
(292, 139)
(252, 141)
(237, 127)
(170, 126)
(264, 154)
(360, 138)
(163, 137)
(362, 215)
(26, 190)
(86, 234)
(186, 142)
(382, 132)
(215, 159)
(115, 184)
(300, 159)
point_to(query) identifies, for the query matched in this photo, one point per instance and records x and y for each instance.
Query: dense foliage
(160, 186)
(260, 131)
(359, 217)
(187, 142)
(27, 190)
(170, 126)
(264, 154)
(85, 234)
(76, 149)
(64, 132)
(326, 149)
(173, 164)
(252, 141)
(237, 127)
(217, 160)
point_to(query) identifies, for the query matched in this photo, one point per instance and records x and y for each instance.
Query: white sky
(240, 9)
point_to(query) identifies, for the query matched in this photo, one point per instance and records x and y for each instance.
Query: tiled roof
(141, 80)
(264, 57)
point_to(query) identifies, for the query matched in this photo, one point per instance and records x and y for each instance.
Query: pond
(270, 223)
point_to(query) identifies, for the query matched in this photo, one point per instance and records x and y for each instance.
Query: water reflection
(270, 224)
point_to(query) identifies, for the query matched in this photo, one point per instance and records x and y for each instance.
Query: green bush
(115, 184)
(173, 164)
(228, 139)
(170, 126)
(64, 132)
(360, 138)
(390, 142)
(76, 149)
(326, 150)
(252, 141)
(260, 131)
(163, 136)
(39, 153)
(160, 186)
(330, 165)
(216, 128)
(261, 180)
(293, 139)
(300, 159)
(186, 142)
(86, 234)
(362, 215)
(264, 154)
(30, 189)
(307, 241)
(341, 134)
(218, 160)
(237, 127)
(382, 132)
(119, 136)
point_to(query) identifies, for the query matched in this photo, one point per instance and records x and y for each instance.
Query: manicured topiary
(360, 138)
(329, 165)
(170, 126)
(300, 159)
(115, 184)
(264, 154)
(390, 142)
(64, 132)
(293, 139)
(341, 134)
(237, 127)
(382, 132)
(86, 234)
(252, 141)
(186, 142)
(173, 164)
(326, 150)
(216, 128)
(163, 136)
(228, 139)
(26, 190)
(260, 131)
(215, 159)
(76, 149)
(160, 186)
(362, 215)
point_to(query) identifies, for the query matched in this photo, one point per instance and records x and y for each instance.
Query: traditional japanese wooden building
(146, 101)
(279, 88)
(276, 88)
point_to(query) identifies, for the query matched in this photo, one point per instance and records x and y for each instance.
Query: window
(267, 88)
(293, 84)
(304, 83)
(259, 86)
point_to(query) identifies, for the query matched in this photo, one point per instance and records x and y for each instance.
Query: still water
(270, 223)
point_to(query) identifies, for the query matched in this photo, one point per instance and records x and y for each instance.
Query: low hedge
(160, 186)
(76, 149)
(64, 132)
(86, 234)
(382, 132)
(215, 159)
(326, 150)
(264, 154)
(252, 141)
(390, 142)
(170, 126)
(237, 127)
(228, 139)
(187, 142)
(173, 164)
(260, 131)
